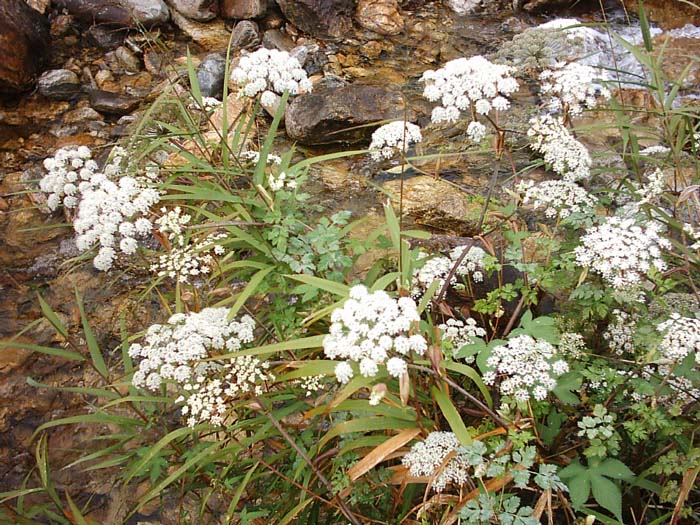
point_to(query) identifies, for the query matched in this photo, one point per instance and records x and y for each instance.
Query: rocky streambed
(81, 72)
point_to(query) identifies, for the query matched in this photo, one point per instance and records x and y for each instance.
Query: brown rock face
(669, 14)
(24, 42)
(324, 116)
(319, 18)
(243, 9)
(380, 16)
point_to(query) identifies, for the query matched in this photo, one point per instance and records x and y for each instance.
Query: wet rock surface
(319, 18)
(112, 103)
(24, 44)
(324, 115)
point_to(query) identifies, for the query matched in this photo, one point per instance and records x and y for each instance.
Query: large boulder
(242, 9)
(24, 43)
(325, 115)
(200, 10)
(122, 13)
(320, 18)
(212, 36)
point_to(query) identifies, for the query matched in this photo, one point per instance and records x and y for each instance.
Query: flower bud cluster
(426, 457)
(467, 84)
(566, 155)
(186, 257)
(622, 252)
(527, 368)
(372, 329)
(270, 69)
(620, 333)
(70, 171)
(254, 157)
(558, 198)
(393, 138)
(438, 268)
(208, 395)
(172, 351)
(681, 338)
(573, 87)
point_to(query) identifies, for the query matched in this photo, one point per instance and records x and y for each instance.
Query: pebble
(59, 84)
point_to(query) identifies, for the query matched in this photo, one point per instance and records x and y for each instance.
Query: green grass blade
(452, 416)
(95, 353)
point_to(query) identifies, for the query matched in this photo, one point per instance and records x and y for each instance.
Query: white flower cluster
(254, 157)
(70, 171)
(437, 269)
(172, 351)
(392, 138)
(566, 155)
(693, 234)
(681, 338)
(573, 87)
(558, 198)
(185, 258)
(460, 333)
(620, 333)
(282, 181)
(528, 368)
(571, 345)
(111, 214)
(425, 458)
(270, 69)
(372, 329)
(621, 252)
(207, 397)
(467, 84)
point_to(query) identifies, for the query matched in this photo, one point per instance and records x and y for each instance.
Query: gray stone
(106, 38)
(242, 9)
(275, 39)
(325, 115)
(210, 75)
(112, 103)
(246, 34)
(24, 44)
(59, 84)
(122, 13)
(320, 18)
(82, 115)
(127, 59)
(199, 10)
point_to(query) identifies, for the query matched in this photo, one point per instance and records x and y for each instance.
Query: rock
(105, 38)
(465, 7)
(199, 10)
(122, 13)
(59, 84)
(240, 9)
(380, 16)
(24, 43)
(246, 34)
(112, 103)
(320, 117)
(275, 39)
(213, 35)
(127, 59)
(435, 203)
(39, 5)
(319, 18)
(210, 75)
(669, 14)
(82, 115)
